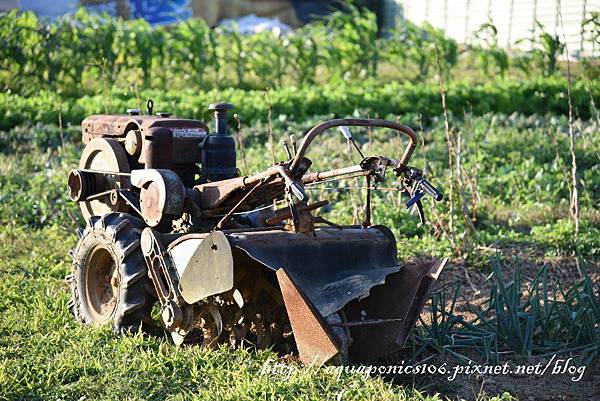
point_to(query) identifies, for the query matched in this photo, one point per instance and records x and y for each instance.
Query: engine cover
(152, 141)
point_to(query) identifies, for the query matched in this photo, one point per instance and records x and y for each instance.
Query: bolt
(114, 198)
(167, 316)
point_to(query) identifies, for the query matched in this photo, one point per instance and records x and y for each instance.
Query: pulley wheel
(105, 155)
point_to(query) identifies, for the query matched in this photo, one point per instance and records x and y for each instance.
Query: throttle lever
(430, 189)
(421, 188)
(416, 197)
(416, 200)
(294, 186)
(414, 175)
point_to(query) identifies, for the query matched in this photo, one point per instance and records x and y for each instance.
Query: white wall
(514, 18)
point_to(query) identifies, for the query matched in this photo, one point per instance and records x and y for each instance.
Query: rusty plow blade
(347, 298)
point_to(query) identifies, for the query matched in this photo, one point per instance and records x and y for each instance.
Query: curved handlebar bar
(362, 122)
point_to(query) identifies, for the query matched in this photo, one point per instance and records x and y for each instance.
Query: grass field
(515, 174)
(522, 286)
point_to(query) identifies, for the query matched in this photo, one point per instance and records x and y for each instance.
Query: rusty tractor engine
(172, 224)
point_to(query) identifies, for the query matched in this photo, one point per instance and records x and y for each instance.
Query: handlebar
(362, 122)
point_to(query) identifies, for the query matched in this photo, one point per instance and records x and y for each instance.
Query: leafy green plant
(303, 54)
(546, 318)
(489, 54)
(267, 58)
(349, 47)
(94, 41)
(591, 33)
(500, 96)
(591, 28)
(546, 48)
(21, 52)
(410, 43)
(141, 49)
(447, 331)
(560, 239)
(231, 53)
(192, 51)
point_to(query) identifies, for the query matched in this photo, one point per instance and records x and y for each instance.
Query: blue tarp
(156, 12)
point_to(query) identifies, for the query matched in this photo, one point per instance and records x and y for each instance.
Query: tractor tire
(109, 282)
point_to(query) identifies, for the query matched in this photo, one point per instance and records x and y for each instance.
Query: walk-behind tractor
(238, 259)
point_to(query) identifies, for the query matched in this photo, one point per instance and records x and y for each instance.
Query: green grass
(45, 354)
(517, 162)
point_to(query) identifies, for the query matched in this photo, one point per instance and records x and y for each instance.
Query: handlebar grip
(415, 198)
(431, 190)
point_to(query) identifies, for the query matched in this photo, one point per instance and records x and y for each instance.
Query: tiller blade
(345, 294)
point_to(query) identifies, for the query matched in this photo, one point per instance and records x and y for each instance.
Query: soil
(547, 387)
(475, 288)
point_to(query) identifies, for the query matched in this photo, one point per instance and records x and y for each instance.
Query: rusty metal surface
(104, 155)
(148, 122)
(80, 185)
(101, 282)
(226, 218)
(285, 213)
(118, 125)
(228, 192)
(314, 340)
(168, 144)
(97, 126)
(352, 270)
(421, 295)
(158, 141)
(341, 288)
(215, 194)
(162, 195)
(361, 122)
(356, 170)
(332, 268)
(392, 308)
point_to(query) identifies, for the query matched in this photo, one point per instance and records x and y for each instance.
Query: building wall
(515, 19)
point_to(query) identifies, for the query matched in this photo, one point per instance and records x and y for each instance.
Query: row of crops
(412, 102)
(94, 52)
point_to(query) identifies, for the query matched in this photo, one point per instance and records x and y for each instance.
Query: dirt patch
(560, 381)
(524, 386)
(475, 281)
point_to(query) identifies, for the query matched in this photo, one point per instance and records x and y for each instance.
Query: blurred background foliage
(82, 53)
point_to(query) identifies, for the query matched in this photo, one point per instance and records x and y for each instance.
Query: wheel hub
(102, 284)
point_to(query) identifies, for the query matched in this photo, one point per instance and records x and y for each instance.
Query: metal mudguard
(332, 268)
(350, 270)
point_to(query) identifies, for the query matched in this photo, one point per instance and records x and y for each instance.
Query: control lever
(348, 135)
(287, 149)
(298, 191)
(416, 197)
(431, 190)
(420, 188)
(416, 200)
(294, 144)
(346, 132)
(292, 185)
